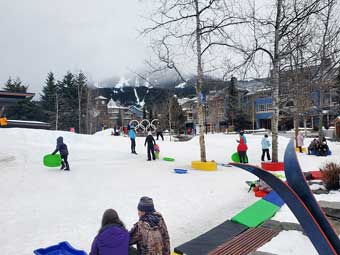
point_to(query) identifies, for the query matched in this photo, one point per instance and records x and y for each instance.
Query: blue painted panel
(264, 115)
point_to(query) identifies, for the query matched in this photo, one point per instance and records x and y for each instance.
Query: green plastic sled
(235, 158)
(52, 160)
(256, 214)
(168, 159)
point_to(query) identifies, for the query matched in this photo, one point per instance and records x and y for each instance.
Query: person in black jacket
(151, 149)
(62, 148)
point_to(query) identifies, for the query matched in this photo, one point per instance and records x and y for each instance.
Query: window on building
(262, 108)
(189, 115)
(269, 107)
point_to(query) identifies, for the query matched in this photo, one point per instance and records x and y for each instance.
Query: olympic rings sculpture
(144, 125)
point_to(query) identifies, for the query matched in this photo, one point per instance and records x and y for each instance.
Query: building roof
(100, 98)
(136, 111)
(114, 105)
(15, 94)
(8, 97)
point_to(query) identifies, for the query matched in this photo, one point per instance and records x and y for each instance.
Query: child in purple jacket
(112, 237)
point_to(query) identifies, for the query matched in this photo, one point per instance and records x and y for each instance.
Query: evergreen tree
(144, 112)
(150, 114)
(176, 114)
(338, 92)
(25, 109)
(48, 98)
(15, 86)
(82, 90)
(232, 105)
(67, 102)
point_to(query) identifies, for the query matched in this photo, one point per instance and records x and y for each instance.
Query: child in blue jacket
(62, 148)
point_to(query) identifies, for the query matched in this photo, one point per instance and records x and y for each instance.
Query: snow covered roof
(112, 104)
(182, 101)
(181, 85)
(100, 98)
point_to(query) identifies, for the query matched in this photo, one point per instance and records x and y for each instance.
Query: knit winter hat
(146, 205)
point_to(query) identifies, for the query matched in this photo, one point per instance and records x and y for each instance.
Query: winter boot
(67, 167)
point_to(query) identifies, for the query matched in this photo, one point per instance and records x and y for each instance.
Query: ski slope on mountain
(45, 206)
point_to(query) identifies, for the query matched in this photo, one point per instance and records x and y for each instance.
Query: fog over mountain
(99, 37)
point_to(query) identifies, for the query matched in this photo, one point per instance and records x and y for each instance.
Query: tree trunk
(2, 109)
(57, 111)
(296, 124)
(275, 84)
(275, 118)
(79, 109)
(320, 109)
(200, 83)
(170, 119)
(305, 125)
(320, 126)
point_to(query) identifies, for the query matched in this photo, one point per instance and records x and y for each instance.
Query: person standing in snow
(62, 148)
(243, 136)
(265, 143)
(112, 238)
(151, 143)
(132, 135)
(159, 132)
(150, 233)
(299, 141)
(157, 150)
(242, 150)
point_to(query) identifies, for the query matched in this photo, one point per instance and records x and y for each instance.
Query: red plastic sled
(316, 175)
(273, 166)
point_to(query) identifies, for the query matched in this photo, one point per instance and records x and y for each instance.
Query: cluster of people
(318, 148)
(153, 149)
(150, 233)
(242, 147)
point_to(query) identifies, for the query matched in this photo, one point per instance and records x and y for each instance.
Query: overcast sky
(99, 37)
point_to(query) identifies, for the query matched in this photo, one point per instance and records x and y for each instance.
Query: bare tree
(268, 33)
(191, 26)
(326, 52)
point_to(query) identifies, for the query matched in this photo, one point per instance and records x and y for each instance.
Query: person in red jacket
(242, 150)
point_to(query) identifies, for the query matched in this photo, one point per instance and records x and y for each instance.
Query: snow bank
(46, 206)
(289, 243)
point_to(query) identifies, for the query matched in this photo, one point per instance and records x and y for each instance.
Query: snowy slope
(45, 206)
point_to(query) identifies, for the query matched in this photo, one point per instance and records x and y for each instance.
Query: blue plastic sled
(328, 154)
(180, 171)
(63, 248)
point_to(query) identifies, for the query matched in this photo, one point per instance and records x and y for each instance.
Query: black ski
(297, 181)
(297, 206)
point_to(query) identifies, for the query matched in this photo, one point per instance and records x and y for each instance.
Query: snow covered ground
(41, 206)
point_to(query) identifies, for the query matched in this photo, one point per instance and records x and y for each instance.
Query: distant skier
(151, 143)
(265, 143)
(242, 150)
(132, 135)
(159, 132)
(62, 148)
